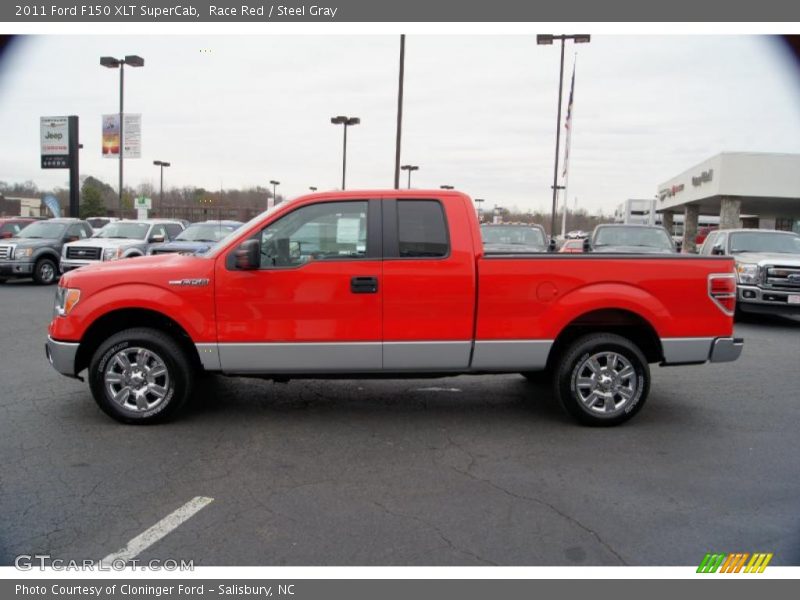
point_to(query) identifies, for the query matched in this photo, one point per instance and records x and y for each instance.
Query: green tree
(92, 202)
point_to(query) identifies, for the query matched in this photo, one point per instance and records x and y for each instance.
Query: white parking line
(149, 537)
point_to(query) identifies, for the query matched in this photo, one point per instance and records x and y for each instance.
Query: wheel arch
(623, 322)
(125, 318)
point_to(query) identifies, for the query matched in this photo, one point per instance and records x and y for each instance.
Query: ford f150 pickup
(387, 284)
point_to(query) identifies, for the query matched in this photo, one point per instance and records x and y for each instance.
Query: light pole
(547, 40)
(162, 164)
(275, 185)
(479, 201)
(446, 187)
(110, 62)
(399, 111)
(409, 168)
(346, 121)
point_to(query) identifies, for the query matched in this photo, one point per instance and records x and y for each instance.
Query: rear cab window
(421, 229)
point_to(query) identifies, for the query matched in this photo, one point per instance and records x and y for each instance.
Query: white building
(640, 212)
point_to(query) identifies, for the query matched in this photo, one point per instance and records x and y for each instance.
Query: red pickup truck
(387, 284)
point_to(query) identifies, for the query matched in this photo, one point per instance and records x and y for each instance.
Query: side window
(158, 230)
(708, 244)
(76, 231)
(421, 229)
(329, 230)
(173, 229)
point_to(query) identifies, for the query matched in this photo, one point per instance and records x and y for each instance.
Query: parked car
(35, 250)
(630, 239)
(767, 268)
(576, 234)
(120, 239)
(512, 239)
(197, 237)
(572, 246)
(397, 287)
(702, 234)
(11, 226)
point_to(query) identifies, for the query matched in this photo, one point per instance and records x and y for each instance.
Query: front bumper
(68, 265)
(61, 356)
(15, 268)
(752, 299)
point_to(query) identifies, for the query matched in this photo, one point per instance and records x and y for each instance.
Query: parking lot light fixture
(346, 122)
(547, 39)
(409, 168)
(132, 60)
(162, 164)
(275, 185)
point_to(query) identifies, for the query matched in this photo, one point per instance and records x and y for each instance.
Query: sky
(233, 111)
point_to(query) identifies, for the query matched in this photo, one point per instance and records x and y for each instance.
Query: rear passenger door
(428, 285)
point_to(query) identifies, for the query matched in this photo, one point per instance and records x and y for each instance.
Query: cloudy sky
(480, 110)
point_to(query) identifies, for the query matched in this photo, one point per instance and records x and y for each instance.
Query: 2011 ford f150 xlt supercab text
(387, 284)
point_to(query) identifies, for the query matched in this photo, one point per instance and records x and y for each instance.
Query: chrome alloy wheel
(605, 383)
(136, 379)
(47, 272)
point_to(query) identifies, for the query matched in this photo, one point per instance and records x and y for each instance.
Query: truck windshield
(764, 241)
(43, 230)
(205, 232)
(515, 235)
(128, 231)
(633, 236)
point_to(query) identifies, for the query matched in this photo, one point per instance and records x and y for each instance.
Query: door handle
(364, 285)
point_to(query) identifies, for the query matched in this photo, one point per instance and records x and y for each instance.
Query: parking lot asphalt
(482, 470)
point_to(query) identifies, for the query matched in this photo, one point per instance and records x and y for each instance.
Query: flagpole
(568, 145)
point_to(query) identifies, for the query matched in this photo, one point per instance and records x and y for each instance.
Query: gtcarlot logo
(736, 562)
(29, 562)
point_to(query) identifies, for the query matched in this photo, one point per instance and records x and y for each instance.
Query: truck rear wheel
(140, 376)
(602, 379)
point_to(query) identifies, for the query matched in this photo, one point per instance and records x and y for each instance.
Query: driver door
(315, 305)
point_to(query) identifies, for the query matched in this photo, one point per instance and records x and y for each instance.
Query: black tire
(45, 271)
(155, 405)
(538, 377)
(622, 383)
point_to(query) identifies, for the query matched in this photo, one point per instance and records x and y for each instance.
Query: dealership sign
(703, 178)
(54, 137)
(131, 132)
(670, 191)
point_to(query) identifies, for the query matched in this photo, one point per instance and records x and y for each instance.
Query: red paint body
(461, 297)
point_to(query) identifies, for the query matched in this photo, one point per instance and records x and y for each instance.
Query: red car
(387, 284)
(11, 226)
(571, 246)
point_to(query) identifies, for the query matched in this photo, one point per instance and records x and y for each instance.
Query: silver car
(117, 240)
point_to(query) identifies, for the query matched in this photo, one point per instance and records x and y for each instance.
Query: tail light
(722, 290)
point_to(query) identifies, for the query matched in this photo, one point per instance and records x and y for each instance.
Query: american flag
(568, 123)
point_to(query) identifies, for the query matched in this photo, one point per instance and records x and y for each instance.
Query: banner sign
(54, 134)
(132, 132)
(409, 11)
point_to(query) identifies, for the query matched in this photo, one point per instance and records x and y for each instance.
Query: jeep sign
(54, 133)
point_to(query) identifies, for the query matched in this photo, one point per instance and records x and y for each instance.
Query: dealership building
(763, 186)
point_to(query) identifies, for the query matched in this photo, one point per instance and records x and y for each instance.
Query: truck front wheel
(140, 376)
(602, 379)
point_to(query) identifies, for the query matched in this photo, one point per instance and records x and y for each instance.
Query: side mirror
(718, 250)
(157, 239)
(248, 255)
(587, 245)
(551, 247)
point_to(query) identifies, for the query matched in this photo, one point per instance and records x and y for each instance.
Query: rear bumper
(696, 351)
(61, 356)
(726, 349)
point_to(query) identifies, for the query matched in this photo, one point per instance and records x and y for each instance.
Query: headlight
(21, 253)
(747, 273)
(112, 253)
(66, 299)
